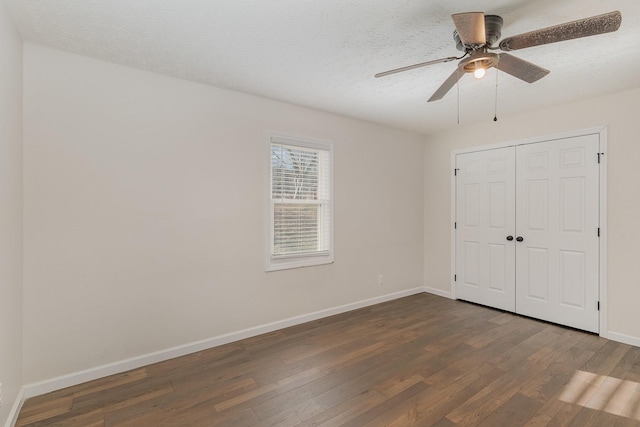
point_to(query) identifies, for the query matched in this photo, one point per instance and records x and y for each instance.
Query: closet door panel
(557, 218)
(485, 202)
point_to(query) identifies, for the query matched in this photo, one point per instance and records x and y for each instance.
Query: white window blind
(300, 203)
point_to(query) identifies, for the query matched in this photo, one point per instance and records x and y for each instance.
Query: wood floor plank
(43, 407)
(339, 388)
(421, 360)
(398, 384)
(345, 410)
(487, 400)
(606, 358)
(428, 411)
(632, 410)
(516, 411)
(121, 393)
(109, 382)
(33, 416)
(546, 413)
(629, 366)
(292, 414)
(546, 385)
(383, 413)
(262, 393)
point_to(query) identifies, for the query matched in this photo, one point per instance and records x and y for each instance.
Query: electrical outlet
(380, 279)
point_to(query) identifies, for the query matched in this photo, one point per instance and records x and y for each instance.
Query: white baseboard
(625, 339)
(439, 292)
(15, 409)
(47, 386)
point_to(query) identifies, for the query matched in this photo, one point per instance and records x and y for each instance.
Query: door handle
(519, 239)
(509, 238)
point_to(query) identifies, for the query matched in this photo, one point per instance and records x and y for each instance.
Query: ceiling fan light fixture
(478, 63)
(476, 34)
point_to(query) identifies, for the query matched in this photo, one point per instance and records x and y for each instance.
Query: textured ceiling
(323, 54)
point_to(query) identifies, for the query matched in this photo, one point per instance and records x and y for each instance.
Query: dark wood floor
(421, 360)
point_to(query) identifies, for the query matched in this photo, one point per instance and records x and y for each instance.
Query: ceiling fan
(476, 34)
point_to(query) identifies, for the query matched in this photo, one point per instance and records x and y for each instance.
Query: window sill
(297, 262)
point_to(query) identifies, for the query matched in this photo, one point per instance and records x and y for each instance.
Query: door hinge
(600, 154)
(455, 225)
(455, 172)
(598, 305)
(598, 231)
(455, 277)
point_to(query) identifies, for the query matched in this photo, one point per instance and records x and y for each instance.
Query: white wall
(619, 112)
(145, 213)
(10, 212)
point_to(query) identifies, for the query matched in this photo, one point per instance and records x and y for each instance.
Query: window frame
(284, 262)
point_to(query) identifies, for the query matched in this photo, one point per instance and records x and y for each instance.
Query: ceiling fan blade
(470, 27)
(411, 67)
(447, 85)
(606, 23)
(524, 70)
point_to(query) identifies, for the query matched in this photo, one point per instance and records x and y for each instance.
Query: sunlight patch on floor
(604, 393)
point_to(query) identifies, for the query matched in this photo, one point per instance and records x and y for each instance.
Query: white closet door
(485, 203)
(557, 216)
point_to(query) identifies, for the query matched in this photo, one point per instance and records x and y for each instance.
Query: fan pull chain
(495, 111)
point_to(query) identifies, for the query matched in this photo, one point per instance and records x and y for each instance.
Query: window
(300, 203)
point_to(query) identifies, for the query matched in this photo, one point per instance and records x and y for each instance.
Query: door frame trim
(601, 131)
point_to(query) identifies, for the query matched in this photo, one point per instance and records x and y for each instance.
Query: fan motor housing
(493, 30)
